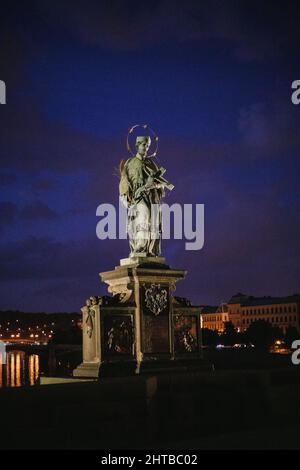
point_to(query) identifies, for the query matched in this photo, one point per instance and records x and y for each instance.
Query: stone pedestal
(142, 327)
(91, 341)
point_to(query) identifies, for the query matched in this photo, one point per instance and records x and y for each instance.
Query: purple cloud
(8, 213)
(247, 28)
(44, 184)
(7, 179)
(37, 210)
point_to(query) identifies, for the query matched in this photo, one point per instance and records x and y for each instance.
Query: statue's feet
(138, 254)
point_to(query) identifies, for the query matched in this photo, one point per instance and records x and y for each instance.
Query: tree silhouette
(210, 337)
(262, 334)
(291, 334)
(229, 336)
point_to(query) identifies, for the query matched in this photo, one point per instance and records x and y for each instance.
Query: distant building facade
(242, 310)
(281, 312)
(214, 318)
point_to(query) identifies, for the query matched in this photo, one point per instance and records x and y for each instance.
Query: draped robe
(144, 213)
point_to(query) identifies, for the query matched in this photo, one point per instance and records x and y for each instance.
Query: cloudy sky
(213, 79)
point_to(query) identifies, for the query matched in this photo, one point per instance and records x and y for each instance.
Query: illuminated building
(281, 312)
(214, 318)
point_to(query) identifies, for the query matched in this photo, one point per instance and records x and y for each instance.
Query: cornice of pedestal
(125, 278)
(144, 273)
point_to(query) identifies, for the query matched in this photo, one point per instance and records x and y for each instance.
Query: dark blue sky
(212, 78)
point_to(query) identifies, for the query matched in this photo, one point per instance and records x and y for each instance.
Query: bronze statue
(142, 187)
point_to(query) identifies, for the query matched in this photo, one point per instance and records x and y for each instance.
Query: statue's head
(142, 145)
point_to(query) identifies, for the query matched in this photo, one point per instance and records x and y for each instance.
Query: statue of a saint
(141, 188)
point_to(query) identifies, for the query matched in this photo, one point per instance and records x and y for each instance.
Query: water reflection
(20, 369)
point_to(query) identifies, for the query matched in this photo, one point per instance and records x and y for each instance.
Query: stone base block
(87, 369)
(142, 260)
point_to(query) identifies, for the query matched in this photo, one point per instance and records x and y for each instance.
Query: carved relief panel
(185, 333)
(117, 335)
(155, 318)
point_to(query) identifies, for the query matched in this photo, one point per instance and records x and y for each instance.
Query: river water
(18, 369)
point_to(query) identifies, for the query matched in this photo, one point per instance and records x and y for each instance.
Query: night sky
(212, 78)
